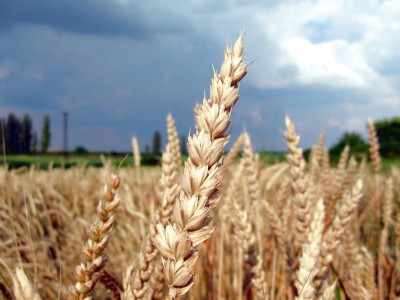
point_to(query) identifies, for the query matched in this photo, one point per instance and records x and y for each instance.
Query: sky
(118, 67)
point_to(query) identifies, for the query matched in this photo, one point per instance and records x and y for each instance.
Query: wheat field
(216, 226)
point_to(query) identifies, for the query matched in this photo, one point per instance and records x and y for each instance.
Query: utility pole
(65, 117)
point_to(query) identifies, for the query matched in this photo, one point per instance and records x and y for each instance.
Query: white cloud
(335, 43)
(331, 62)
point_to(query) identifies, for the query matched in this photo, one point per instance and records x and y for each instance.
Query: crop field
(49, 161)
(209, 226)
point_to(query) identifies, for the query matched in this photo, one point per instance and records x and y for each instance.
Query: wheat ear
(326, 175)
(111, 284)
(243, 227)
(340, 172)
(302, 205)
(232, 213)
(136, 152)
(329, 292)
(228, 162)
(93, 256)
(368, 271)
(354, 260)
(22, 287)
(201, 177)
(334, 235)
(387, 207)
(247, 241)
(347, 177)
(250, 169)
(157, 281)
(169, 177)
(384, 236)
(316, 155)
(170, 184)
(254, 191)
(310, 255)
(173, 140)
(169, 180)
(374, 147)
(143, 273)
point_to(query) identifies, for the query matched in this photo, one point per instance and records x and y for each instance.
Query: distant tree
(183, 145)
(157, 143)
(81, 150)
(46, 134)
(388, 132)
(26, 134)
(357, 144)
(34, 142)
(13, 135)
(147, 149)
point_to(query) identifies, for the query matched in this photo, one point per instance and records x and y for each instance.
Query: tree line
(18, 136)
(388, 132)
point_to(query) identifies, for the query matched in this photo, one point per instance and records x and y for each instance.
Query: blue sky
(119, 66)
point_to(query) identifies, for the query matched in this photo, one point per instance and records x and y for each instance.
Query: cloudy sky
(119, 66)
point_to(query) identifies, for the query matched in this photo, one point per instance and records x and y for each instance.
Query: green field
(45, 161)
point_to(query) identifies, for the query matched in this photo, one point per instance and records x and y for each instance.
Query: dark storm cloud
(91, 17)
(118, 86)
